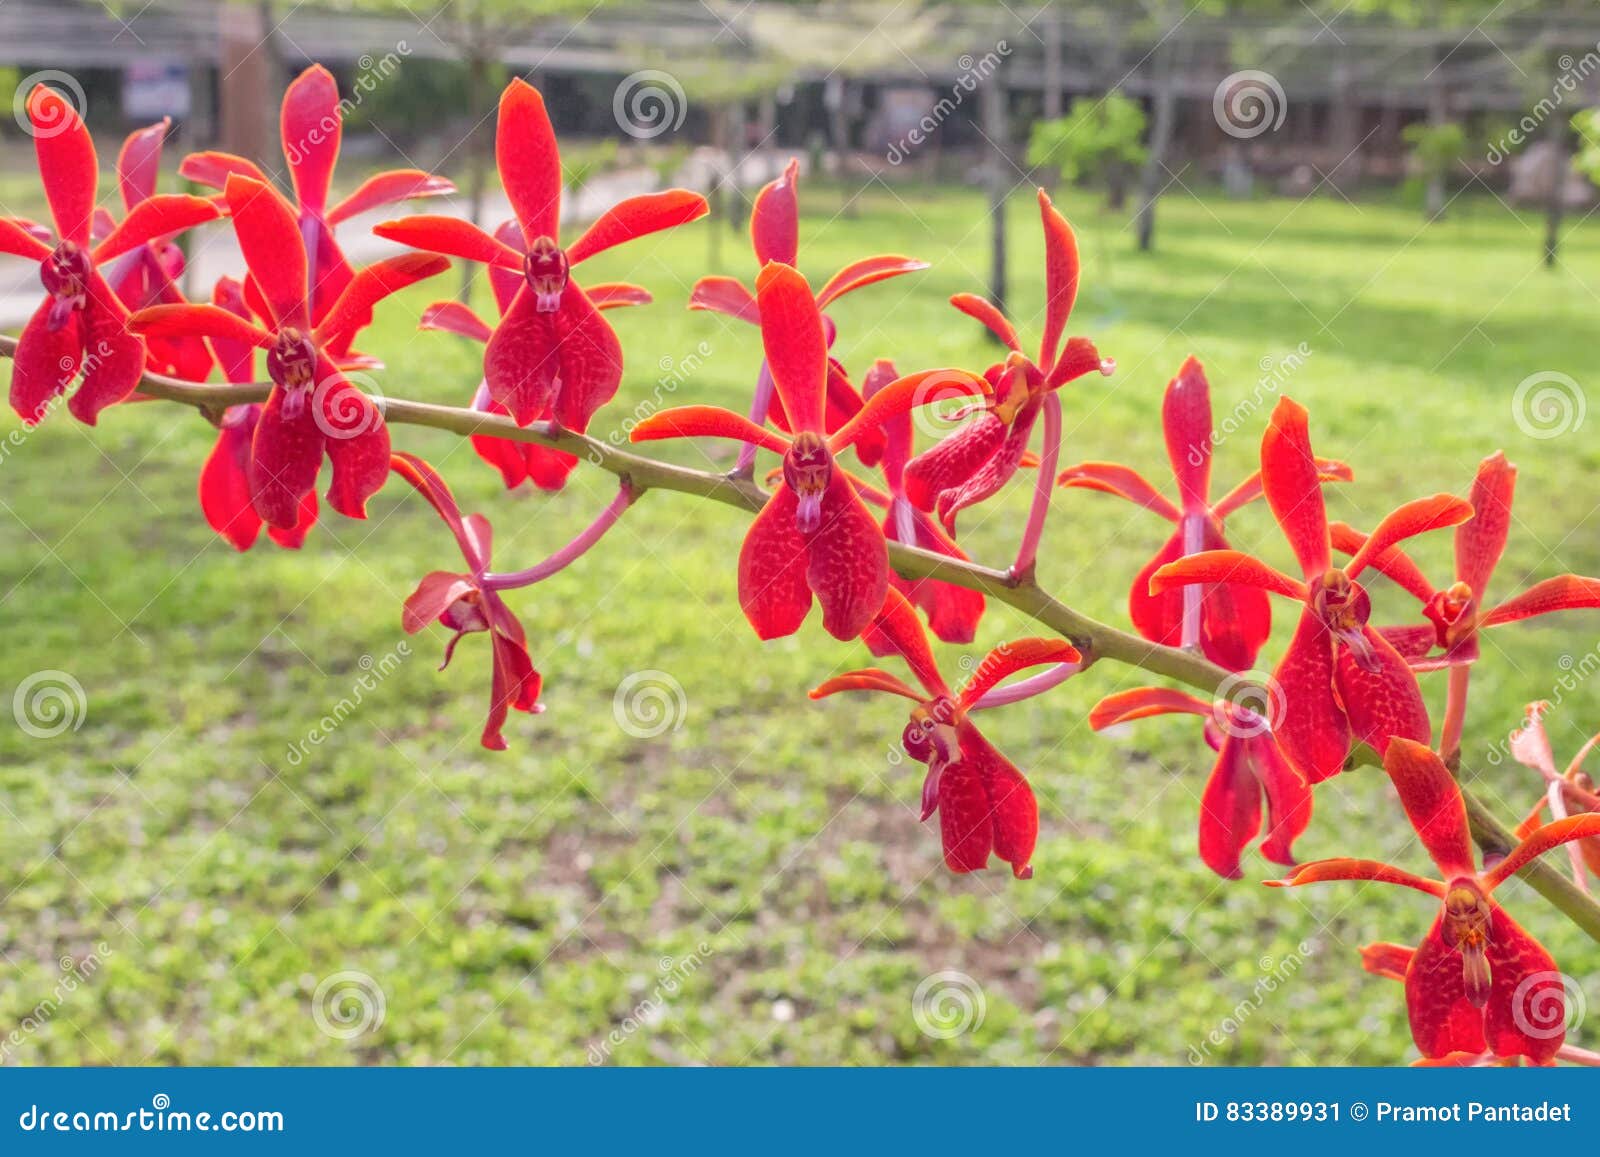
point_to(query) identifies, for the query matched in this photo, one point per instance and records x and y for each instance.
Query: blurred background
(1379, 208)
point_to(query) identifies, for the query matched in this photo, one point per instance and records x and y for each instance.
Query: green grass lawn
(753, 887)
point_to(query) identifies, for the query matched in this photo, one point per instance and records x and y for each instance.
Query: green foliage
(1587, 156)
(1099, 138)
(1436, 149)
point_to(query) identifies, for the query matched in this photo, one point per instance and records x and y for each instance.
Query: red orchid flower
(815, 535)
(953, 612)
(775, 236)
(1339, 675)
(311, 126)
(1477, 977)
(465, 604)
(977, 459)
(1249, 766)
(1457, 612)
(224, 480)
(313, 409)
(1393, 961)
(1230, 621)
(149, 273)
(984, 803)
(1568, 793)
(552, 353)
(79, 327)
(518, 462)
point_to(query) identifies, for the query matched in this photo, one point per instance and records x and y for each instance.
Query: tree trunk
(1438, 114)
(997, 180)
(1155, 167)
(1052, 68)
(1555, 205)
(738, 153)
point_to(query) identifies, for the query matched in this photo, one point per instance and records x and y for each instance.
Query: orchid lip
(808, 511)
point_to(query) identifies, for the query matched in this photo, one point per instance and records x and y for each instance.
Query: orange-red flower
(1477, 982)
(553, 355)
(1339, 675)
(977, 459)
(518, 462)
(1228, 621)
(984, 803)
(465, 603)
(149, 273)
(1249, 767)
(225, 478)
(313, 409)
(311, 129)
(80, 327)
(953, 612)
(775, 236)
(815, 535)
(1456, 613)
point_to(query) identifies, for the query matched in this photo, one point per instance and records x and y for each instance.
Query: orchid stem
(759, 405)
(1455, 713)
(1044, 486)
(569, 554)
(1096, 640)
